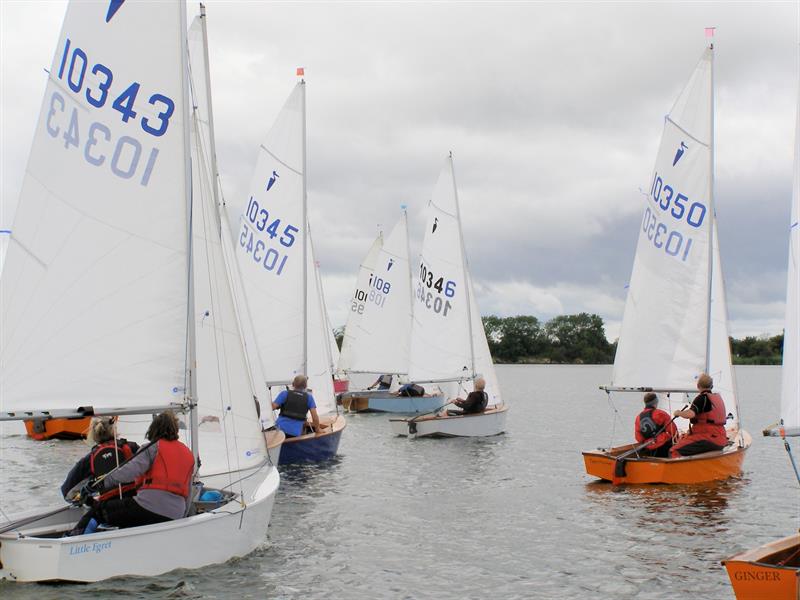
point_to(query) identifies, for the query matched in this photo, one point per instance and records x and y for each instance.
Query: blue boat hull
(376, 401)
(311, 448)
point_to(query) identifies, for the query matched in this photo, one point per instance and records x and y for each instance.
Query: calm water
(513, 516)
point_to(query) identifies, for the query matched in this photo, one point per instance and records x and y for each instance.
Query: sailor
(475, 402)
(165, 469)
(294, 405)
(707, 417)
(106, 454)
(656, 424)
(384, 382)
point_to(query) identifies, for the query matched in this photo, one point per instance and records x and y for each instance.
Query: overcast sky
(553, 112)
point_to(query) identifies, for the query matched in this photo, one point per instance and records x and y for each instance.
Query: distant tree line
(581, 339)
(564, 339)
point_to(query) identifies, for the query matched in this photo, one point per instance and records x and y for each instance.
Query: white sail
(320, 376)
(790, 382)
(440, 331)
(229, 427)
(269, 244)
(94, 285)
(719, 361)
(663, 338)
(347, 361)
(484, 365)
(383, 332)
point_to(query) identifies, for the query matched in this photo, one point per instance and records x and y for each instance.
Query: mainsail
(269, 245)
(383, 331)
(351, 340)
(448, 341)
(664, 338)
(94, 286)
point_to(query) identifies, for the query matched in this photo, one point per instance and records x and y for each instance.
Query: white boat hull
(230, 531)
(491, 422)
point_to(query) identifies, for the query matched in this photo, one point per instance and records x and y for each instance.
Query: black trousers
(699, 447)
(660, 452)
(120, 512)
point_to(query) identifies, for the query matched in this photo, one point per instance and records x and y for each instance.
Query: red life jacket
(104, 458)
(171, 470)
(648, 422)
(711, 424)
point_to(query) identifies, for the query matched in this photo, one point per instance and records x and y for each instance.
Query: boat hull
(758, 573)
(274, 438)
(488, 423)
(388, 402)
(312, 447)
(151, 550)
(61, 429)
(709, 466)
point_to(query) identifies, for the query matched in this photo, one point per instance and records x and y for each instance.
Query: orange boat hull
(758, 573)
(711, 466)
(62, 429)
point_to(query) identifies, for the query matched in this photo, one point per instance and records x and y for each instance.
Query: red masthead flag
(301, 71)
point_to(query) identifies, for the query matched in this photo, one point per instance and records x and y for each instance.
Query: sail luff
(210, 108)
(711, 209)
(191, 352)
(304, 367)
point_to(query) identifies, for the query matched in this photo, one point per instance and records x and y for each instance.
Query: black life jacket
(485, 402)
(385, 380)
(647, 425)
(296, 405)
(412, 390)
(108, 456)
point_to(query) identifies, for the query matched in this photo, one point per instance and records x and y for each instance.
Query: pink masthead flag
(710, 32)
(300, 71)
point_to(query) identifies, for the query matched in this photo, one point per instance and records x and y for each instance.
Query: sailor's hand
(87, 495)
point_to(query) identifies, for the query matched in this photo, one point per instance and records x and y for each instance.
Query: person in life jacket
(107, 453)
(475, 402)
(294, 405)
(165, 468)
(654, 424)
(707, 416)
(384, 382)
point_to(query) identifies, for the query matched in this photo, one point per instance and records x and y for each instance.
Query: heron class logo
(681, 149)
(272, 180)
(113, 7)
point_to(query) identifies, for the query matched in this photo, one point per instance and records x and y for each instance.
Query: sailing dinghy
(675, 321)
(99, 293)
(276, 262)
(448, 342)
(773, 570)
(380, 344)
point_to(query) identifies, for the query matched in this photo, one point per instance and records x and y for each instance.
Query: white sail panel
(269, 244)
(229, 427)
(662, 340)
(94, 286)
(440, 343)
(350, 342)
(790, 382)
(719, 360)
(384, 329)
(320, 376)
(484, 365)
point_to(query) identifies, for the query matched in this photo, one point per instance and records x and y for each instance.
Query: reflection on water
(514, 516)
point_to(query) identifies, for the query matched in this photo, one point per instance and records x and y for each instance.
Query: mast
(211, 137)
(467, 281)
(191, 347)
(403, 207)
(712, 219)
(304, 366)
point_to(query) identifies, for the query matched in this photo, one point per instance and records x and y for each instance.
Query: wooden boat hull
(389, 402)
(32, 554)
(710, 466)
(757, 573)
(274, 438)
(312, 447)
(61, 429)
(488, 423)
